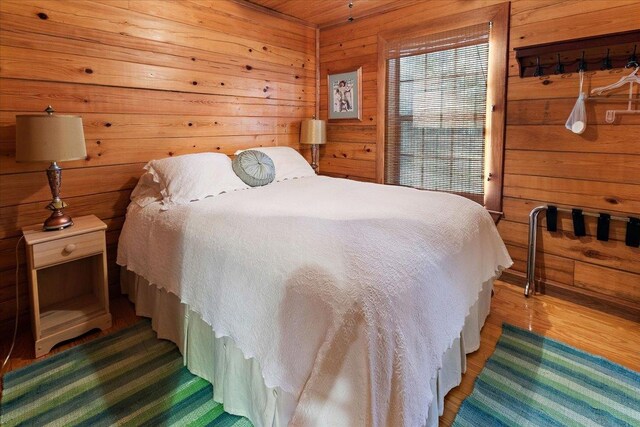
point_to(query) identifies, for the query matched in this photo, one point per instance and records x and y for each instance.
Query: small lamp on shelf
(51, 138)
(314, 133)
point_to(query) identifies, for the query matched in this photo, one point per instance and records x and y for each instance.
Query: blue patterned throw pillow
(254, 167)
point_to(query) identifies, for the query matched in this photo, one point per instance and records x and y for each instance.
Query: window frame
(498, 16)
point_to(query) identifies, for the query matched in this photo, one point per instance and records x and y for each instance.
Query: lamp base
(57, 221)
(315, 153)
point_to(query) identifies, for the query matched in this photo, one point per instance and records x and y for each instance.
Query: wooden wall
(544, 163)
(154, 79)
(150, 79)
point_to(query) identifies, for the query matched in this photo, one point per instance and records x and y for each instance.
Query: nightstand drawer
(67, 249)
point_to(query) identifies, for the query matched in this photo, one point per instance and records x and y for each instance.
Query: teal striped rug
(126, 378)
(531, 380)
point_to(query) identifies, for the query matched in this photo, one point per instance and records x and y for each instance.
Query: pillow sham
(254, 168)
(190, 177)
(288, 162)
(146, 191)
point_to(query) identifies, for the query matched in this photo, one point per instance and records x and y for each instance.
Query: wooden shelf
(66, 314)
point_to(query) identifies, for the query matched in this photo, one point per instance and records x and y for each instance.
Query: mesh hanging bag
(577, 122)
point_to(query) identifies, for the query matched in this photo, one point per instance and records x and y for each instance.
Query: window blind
(436, 111)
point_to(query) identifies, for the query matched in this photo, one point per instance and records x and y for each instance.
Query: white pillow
(190, 177)
(146, 191)
(288, 162)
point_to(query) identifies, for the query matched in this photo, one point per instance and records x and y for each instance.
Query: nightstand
(67, 272)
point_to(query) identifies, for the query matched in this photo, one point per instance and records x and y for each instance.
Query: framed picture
(345, 95)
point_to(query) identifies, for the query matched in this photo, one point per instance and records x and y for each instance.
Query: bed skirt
(238, 383)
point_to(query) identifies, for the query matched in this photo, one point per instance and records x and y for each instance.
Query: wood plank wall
(151, 79)
(544, 163)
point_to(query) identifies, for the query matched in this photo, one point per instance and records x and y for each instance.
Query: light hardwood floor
(590, 330)
(599, 333)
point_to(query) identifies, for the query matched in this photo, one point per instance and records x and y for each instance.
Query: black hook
(582, 65)
(560, 66)
(633, 59)
(606, 62)
(538, 71)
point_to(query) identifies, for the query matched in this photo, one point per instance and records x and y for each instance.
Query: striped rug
(531, 380)
(126, 378)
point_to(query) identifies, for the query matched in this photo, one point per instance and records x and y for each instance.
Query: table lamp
(51, 138)
(314, 133)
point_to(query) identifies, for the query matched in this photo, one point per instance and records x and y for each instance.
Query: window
(441, 95)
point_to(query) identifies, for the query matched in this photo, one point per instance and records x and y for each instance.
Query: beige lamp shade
(50, 137)
(313, 132)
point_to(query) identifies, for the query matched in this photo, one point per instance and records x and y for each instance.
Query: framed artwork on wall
(345, 95)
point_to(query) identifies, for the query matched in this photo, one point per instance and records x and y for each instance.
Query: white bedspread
(295, 270)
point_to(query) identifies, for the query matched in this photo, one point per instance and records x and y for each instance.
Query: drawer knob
(70, 248)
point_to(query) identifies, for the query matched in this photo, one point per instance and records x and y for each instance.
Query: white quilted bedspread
(293, 271)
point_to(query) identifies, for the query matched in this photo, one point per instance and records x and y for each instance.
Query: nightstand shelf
(65, 315)
(68, 281)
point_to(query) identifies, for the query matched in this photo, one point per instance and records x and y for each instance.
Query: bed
(317, 300)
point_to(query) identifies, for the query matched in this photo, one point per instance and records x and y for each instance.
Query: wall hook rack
(605, 52)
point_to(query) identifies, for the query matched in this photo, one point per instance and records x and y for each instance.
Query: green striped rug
(126, 378)
(531, 380)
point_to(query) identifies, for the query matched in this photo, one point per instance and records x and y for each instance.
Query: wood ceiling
(324, 13)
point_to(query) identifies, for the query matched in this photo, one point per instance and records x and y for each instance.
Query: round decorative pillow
(254, 168)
